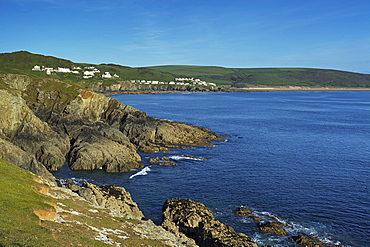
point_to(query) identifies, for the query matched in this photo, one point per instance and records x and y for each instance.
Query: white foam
(142, 172)
(184, 157)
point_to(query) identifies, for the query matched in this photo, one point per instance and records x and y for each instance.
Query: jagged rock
(24, 129)
(27, 161)
(273, 227)
(58, 122)
(162, 161)
(101, 147)
(242, 211)
(16, 82)
(111, 197)
(154, 133)
(310, 241)
(196, 221)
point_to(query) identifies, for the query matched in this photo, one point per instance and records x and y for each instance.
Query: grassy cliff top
(26, 205)
(22, 62)
(270, 77)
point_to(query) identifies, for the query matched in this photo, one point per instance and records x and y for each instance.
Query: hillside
(22, 62)
(271, 77)
(36, 214)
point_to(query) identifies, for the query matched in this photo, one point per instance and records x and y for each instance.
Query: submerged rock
(242, 211)
(162, 161)
(196, 221)
(274, 228)
(310, 241)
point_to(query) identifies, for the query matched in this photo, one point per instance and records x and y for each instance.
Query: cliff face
(28, 141)
(57, 122)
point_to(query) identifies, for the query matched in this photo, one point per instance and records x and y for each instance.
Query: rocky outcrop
(310, 241)
(196, 221)
(101, 147)
(58, 122)
(272, 225)
(162, 161)
(275, 228)
(108, 196)
(20, 126)
(25, 160)
(150, 134)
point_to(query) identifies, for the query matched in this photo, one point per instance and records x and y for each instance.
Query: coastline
(238, 90)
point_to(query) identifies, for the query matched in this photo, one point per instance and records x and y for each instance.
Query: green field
(270, 77)
(22, 62)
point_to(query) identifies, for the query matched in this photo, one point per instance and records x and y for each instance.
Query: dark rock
(162, 161)
(242, 211)
(196, 221)
(310, 241)
(25, 130)
(100, 146)
(273, 227)
(87, 129)
(111, 197)
(25, 160)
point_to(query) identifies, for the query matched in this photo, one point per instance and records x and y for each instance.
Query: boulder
(310, 241)
(242, 211)
(196, 221)
(110, 197)
(273, 228)
(162, 161)
(100, 146)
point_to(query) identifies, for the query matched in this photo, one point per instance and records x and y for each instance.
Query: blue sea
(303, 157)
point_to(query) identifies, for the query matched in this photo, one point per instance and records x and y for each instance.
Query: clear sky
(332, 34)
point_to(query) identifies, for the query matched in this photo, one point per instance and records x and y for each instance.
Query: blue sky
(331, 34)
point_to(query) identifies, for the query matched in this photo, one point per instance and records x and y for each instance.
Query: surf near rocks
(196, 221)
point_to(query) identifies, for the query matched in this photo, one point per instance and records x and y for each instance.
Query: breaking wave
(185, 157)
(142, 172)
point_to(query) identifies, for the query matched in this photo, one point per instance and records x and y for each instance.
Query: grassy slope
(22, 62)
(246, 77)
(19, 226)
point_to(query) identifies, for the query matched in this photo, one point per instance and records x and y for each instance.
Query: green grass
(19, 226)
(271, 77)
(22, 63)
(18, 198)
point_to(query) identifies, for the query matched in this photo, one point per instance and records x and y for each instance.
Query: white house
(36, 68)
(89, 73)
(106, 75)
(63, 70)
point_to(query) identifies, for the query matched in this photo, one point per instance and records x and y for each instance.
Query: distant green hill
(270, 77)
(22, 62)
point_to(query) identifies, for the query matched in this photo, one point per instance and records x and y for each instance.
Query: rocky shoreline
(45, 124)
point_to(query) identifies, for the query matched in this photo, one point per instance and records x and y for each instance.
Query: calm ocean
(303, 157)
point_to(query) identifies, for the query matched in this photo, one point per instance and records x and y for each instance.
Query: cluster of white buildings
(90, 71)
(87, 72)
(177, 81)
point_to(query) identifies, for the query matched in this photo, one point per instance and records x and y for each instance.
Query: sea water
(303, 157)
